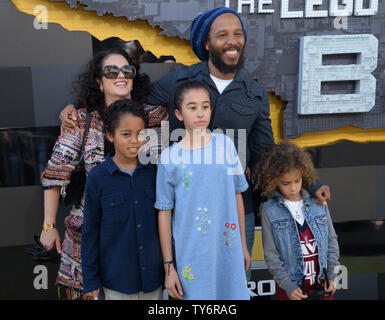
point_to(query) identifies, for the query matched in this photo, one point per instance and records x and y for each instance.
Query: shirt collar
(304, 193)
(242, 79)
(113, 168)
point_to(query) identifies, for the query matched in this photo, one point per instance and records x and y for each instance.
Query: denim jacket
(281, 242)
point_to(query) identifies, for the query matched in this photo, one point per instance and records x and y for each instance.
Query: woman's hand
(297, 294)
(92, 295)
(172, 283)
(50, 239)
(68, 116)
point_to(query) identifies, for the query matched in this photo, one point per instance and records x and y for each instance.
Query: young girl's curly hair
(280, 159)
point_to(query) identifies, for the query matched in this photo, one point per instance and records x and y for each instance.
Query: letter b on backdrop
(314, 73)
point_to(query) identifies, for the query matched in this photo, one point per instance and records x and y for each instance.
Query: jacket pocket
(321, 219)
(322, 224)
(242, 115)
(281, 227)
(114, 208)
(243, 110)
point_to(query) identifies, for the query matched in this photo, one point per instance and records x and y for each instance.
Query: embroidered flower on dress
(202, 220)
(186, 177)
(187, 275)
(230, 235)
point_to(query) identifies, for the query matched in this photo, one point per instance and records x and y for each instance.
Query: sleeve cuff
(242, 188)
(162, 206)
(288, 286)
(91, 286)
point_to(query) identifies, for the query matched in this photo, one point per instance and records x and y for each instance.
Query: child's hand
(92, 295)
(297, 294)
(247, 259)
(172, 284)
(332, 287)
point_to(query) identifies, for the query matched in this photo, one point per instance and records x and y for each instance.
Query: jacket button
(307, 209)
(314, 226)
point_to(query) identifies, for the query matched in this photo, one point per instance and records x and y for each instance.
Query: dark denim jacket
(244, 104)
(281, 243)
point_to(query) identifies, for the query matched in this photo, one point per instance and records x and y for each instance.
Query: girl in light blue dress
(199, 185)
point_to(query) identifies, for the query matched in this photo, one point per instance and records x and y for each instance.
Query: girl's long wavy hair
(87, 89)
(280, 159)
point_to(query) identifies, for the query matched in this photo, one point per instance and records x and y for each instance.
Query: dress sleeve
(64, 159)
(164, 189)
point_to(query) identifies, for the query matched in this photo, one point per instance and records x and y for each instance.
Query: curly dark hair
(87, 89)
(117, 109)
(279, 159)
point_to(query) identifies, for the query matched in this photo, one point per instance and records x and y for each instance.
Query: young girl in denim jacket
(299, 241)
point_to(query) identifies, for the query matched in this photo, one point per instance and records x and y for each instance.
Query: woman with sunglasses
(110, 76)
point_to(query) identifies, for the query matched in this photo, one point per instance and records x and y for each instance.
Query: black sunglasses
(112, 72)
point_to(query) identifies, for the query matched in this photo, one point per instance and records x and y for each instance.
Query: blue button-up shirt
(120, 247)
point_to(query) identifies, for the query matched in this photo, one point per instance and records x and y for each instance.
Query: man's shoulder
(182, 72)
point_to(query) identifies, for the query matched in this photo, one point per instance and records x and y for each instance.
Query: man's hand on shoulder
(323, 195)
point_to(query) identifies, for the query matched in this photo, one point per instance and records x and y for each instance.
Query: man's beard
(218, 63)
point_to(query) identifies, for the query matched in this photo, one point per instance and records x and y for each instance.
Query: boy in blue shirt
(120, 244)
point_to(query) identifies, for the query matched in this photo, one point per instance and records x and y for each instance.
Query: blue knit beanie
(201, 26)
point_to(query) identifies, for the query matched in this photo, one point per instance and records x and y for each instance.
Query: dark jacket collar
(113, 168)
(242, 79)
